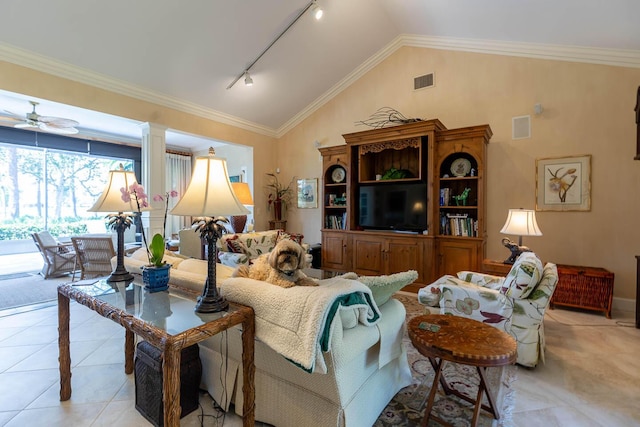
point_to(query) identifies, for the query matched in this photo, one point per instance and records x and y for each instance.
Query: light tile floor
(591, 376)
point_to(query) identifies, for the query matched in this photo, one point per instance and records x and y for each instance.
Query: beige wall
(588, 109)
(29, 82)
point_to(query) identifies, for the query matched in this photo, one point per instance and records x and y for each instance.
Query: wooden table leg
(437, 364)
(484, 384)
(128, 351)
(63, 347)
(248, 372)
(171, 385)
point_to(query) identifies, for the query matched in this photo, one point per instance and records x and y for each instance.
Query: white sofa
(363, 370)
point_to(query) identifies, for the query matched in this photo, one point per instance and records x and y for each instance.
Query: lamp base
(238, 222)
(516, 250)
(207, 304)
(120, 276)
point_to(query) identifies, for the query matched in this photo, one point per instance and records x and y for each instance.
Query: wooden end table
(168, 321)
(460, 340)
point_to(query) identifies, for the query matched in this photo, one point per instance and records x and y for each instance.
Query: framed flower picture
(563, 184)
(308, 193)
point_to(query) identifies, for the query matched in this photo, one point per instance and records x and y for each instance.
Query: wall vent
(521, 127)
(423, 81)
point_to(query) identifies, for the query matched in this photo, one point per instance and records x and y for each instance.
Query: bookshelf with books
(449, 164)
(460, 186)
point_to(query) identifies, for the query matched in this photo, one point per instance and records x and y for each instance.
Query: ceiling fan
(46, 123)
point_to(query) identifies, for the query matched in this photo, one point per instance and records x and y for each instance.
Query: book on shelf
(458, 225)
(336, 222)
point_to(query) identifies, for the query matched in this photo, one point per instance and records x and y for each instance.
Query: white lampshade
(111, 198)
(521, 222)
(209, 193)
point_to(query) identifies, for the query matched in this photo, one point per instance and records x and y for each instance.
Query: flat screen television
(393, 206)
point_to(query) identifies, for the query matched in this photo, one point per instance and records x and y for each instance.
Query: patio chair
(94, 255)
(59, 258)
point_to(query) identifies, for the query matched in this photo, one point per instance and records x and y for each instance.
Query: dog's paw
(306, 281)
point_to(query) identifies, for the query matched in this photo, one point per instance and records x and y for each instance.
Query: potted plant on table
(279, 195)
(155, 275)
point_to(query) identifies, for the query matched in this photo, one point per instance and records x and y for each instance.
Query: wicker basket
(148, 379)
(590, 288)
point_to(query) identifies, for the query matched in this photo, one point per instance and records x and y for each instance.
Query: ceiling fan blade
(62, 130)
(25, 125)
(11, 115)
(58, 122)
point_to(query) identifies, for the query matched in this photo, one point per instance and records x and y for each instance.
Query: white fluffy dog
(282, 266)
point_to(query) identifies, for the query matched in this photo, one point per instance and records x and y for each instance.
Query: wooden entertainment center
(451, 162)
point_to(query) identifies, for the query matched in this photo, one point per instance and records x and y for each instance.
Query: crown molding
(71, 72)
(612, 57)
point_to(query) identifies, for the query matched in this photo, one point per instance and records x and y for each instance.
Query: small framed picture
(308, 193)
(563, 183)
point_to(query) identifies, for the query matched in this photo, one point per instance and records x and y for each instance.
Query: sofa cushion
(382, 287)
(523, 277)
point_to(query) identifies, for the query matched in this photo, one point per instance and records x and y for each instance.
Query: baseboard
(624, 305)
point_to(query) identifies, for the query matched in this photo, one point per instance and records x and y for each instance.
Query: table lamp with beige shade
(243, 193)
(520, 222)
(111, 200)
(209, 198)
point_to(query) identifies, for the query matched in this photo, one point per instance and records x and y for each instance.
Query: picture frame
(235, 178)
(308, 193)
(563, 183)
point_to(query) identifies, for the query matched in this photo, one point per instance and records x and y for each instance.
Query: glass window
(43, 188)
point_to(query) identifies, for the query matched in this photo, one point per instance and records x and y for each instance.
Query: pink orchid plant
(155, 251)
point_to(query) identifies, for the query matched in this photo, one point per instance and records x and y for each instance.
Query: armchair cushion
(481, 279)
(523, 277)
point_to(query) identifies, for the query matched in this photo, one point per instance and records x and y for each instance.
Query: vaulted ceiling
(185, 54)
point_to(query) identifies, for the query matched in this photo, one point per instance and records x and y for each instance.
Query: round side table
(460, 340)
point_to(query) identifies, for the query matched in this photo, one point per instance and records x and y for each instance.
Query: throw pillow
(523, 277)
(291, 236)
(235, 245)
(382, 287)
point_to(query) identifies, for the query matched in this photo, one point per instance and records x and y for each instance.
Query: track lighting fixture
(248, 81)
(317, 13)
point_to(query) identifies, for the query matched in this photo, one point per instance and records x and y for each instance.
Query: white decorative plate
(460, 167)
(338, 175)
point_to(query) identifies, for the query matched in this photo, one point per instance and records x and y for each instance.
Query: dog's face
(287, 257)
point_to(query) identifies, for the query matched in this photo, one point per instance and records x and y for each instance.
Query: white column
(153, 173)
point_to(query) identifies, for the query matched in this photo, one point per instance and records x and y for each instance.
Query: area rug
(408, 405)
(29, 289)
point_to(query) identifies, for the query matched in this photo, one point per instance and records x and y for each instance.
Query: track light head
(248, 81)
(316, 11)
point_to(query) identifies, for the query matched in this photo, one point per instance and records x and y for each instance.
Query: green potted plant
(155, 275)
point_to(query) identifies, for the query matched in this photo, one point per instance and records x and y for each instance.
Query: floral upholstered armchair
(515, 303)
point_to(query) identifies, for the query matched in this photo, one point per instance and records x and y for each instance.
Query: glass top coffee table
(165, 319)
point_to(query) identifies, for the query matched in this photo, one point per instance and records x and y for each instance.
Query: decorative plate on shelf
(460, 167)
(338, 175)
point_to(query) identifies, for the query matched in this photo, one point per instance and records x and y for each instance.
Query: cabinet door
(367, 255)
(405, 254)
(458, 254)
(335, 251)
